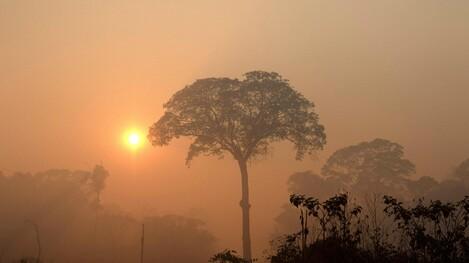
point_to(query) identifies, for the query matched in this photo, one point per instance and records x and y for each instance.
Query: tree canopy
(240, 116)
(376, 160)
(462, 171)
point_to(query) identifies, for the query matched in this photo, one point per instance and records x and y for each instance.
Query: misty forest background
(74, 226)
(389, 80)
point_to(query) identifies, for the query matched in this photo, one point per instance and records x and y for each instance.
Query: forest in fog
(56, 215)
(208, 131)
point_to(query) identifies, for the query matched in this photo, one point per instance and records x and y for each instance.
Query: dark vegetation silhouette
(51, 217)
(241, 118)
(340, 231)
(227, 256)
(367, 171)
(425, 221)
(370, 165)
(97, 181)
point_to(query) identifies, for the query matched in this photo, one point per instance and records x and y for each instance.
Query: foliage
(462, 171)
(241, 117)
(338, 235)
(227, 256)
(433, 232)
(367, 168)
(287, 250)
(97, 181)
(368, 163)
(335, 217)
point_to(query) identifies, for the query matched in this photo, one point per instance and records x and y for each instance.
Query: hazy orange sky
(75, 75)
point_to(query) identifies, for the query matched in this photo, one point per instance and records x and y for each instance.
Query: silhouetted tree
(455, 187)
(306, 205)
(370, 165)
(242, 118)
(305, 183)
(310, 184)
(227, 256)
(97, 181)
(462, 171)
(286, 249)
(431, 232)
(338, 237)
(368, 169)
(434, 232)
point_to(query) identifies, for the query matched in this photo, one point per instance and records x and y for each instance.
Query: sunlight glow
(134, 139)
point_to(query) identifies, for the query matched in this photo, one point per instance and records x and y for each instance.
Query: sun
(134, 139)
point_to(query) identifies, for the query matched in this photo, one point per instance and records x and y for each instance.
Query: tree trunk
(142, 243)
(38, 241)
(245, 208)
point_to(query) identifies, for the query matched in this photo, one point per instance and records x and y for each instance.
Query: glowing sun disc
(134, 139)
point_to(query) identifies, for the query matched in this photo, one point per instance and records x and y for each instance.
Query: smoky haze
(76, 75)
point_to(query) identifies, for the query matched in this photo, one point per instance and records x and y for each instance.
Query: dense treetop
(240, 116)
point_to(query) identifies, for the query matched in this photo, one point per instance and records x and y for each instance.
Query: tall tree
(378, 164)
(462, 171)
(97, 181)
(241, 118)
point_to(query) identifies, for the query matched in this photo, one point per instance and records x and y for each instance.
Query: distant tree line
(57, 216)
